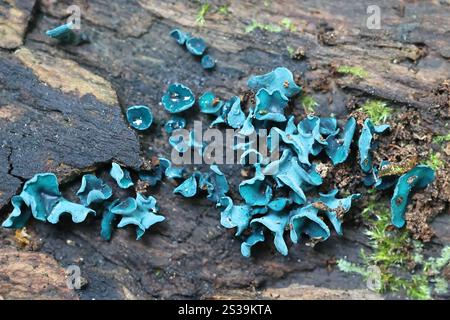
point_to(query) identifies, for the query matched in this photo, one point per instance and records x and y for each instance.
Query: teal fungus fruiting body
(231, 113)
(280, 79)
(270, 105)
(276, 222)
(60, 32)
(65, 35)
(139, 117)
(122, 176)
(93, 190)
(40, 198)
(234, 216)
(140, 211)
(209, 103)
(309, 137)
(338, 146)
(417, 178)
(208, 62)
(306, 220)
(188, 188)
(163, 168)
(174, 123)
(196, 46)
(366, 145)
(213, 181)
(282, 198)
(255, 191)
(178, 98)
(179, 36)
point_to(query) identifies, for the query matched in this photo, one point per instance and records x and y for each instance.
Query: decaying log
(61, 110)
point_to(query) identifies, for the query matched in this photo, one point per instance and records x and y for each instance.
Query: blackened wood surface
(43, 129)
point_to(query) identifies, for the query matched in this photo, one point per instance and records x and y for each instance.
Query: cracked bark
(55, 130)
(9, 183)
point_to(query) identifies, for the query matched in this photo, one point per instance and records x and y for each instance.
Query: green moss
(309, 103)
(418, 288)
(440, 285)
(224, 10)
(434, 265)
(441, 139)
(377, 110)
(202, 11)
(354, 71)
(434, 161)
(288, 25)
(284, 24)
(158, 272)
(396, 255)
(389, 246)
(262, 26)
(349, 267)
(291, 51)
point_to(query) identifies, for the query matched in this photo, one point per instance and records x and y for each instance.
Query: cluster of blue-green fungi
(41, 199)
(195, 46)
(282, 195)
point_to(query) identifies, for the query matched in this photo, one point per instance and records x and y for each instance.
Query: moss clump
(434, 161)
(284, 24)
(202, 11)
(288, 25)
(291, 51)
(255, 25)
(224, 10)
(354, 71)
(399, 259)
(377, 111)
(309, 103)
(441, 139)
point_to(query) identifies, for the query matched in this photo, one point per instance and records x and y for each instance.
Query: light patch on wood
(296, 292)
(13, 23)
(67, 76)
(447, 149)
(306, 292)
(127, 294)
(10, 113)
(32, 275)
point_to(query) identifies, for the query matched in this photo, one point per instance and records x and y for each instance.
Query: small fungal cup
(174, 123)
(196, 46)
(179, 36)
(208, 62)
(177, 98)
(139, 117)
(209, 103)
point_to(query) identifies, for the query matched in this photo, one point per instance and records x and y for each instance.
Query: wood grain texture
(14, 18)
(32, 275)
